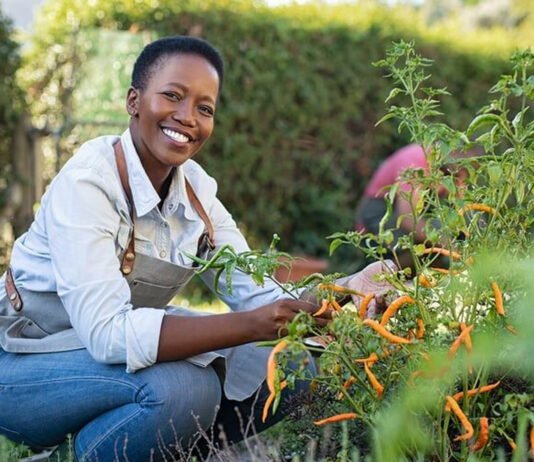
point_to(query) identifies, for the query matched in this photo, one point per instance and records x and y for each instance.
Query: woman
(87, 292)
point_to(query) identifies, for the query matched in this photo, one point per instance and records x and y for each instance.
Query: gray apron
(36, 322)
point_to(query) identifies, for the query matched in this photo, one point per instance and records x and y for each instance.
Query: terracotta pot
(301, 267)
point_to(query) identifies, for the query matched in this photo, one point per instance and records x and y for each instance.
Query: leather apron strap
(12, 292)
(128, 259)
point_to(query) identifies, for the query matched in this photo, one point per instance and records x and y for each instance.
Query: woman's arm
(182, 337)
(82, 221)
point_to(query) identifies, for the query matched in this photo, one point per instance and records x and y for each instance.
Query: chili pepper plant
(446, 371)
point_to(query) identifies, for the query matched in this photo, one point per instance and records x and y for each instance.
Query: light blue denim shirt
(83, 224)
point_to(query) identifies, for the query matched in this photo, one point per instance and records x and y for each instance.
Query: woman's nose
(184, 114)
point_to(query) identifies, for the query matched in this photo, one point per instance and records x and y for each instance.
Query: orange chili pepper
(271, 364)
(420, 328)
(337, 418)
(477, 207)
(468, 345)
(462, 418)
(336, 305)
(324, 307)
(425, 281)
(377, 386)
(346, 386)
(270, 400)
(483, 435)
(381, 330)
(442, 251)
(445, 271)
(512, 444)
(394, 306)
(371, 359)
(499, 305)
(456, 344)
(340, 289)
(473, 391)
(467, 340)
(362, 311)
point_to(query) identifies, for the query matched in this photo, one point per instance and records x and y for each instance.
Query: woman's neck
(157, 173)
(165, 187)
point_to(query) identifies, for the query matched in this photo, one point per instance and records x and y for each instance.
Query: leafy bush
(443, 373)
(295, 139)
(10, 111)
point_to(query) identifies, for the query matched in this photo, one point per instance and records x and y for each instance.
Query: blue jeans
(154, 414)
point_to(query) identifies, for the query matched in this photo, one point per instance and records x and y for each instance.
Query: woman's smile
(177, 136)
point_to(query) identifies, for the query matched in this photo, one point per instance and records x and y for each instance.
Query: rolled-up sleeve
(82, 222)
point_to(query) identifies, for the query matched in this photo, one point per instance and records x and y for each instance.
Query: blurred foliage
(10, 100)
(515, 16)
(11, 103)
(295, 139)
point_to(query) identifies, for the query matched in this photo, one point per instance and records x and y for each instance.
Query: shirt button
(162, 254)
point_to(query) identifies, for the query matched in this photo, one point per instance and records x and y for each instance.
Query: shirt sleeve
(82, 221)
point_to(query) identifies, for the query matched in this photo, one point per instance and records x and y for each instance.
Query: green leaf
(334, 245)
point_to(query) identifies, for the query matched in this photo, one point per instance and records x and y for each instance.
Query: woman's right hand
(271, 320)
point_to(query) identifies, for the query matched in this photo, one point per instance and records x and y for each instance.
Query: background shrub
(295, 140)
(10, 111)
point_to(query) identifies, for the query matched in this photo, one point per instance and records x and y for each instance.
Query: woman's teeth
(176, 136)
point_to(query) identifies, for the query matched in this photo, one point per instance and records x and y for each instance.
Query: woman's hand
(271, 319)
(368, 281)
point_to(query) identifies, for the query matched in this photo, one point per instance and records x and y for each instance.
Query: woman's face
(172, 116)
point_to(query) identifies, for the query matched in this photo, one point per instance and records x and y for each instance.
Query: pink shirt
(411, 156)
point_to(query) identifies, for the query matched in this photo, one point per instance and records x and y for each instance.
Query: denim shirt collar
(144, 196)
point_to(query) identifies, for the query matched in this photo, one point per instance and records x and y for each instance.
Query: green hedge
(10, 102)
(295, 139)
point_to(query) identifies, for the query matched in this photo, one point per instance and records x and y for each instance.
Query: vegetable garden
(444, 372)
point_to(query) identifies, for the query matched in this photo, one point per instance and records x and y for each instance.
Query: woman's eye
(207, 110)
(171, 95)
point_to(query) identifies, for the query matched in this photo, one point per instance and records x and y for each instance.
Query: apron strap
(12, 292)
(204, 242)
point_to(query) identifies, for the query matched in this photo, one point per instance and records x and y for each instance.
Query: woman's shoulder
(96, 154)
(93, 164)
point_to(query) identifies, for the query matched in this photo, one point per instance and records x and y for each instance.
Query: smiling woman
(172, 113)
(85, 301)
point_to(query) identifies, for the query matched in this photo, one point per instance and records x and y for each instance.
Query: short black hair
(151, 56)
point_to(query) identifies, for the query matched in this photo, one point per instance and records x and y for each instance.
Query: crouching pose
(89, 345)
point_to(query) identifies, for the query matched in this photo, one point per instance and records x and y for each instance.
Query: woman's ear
(132, 101)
